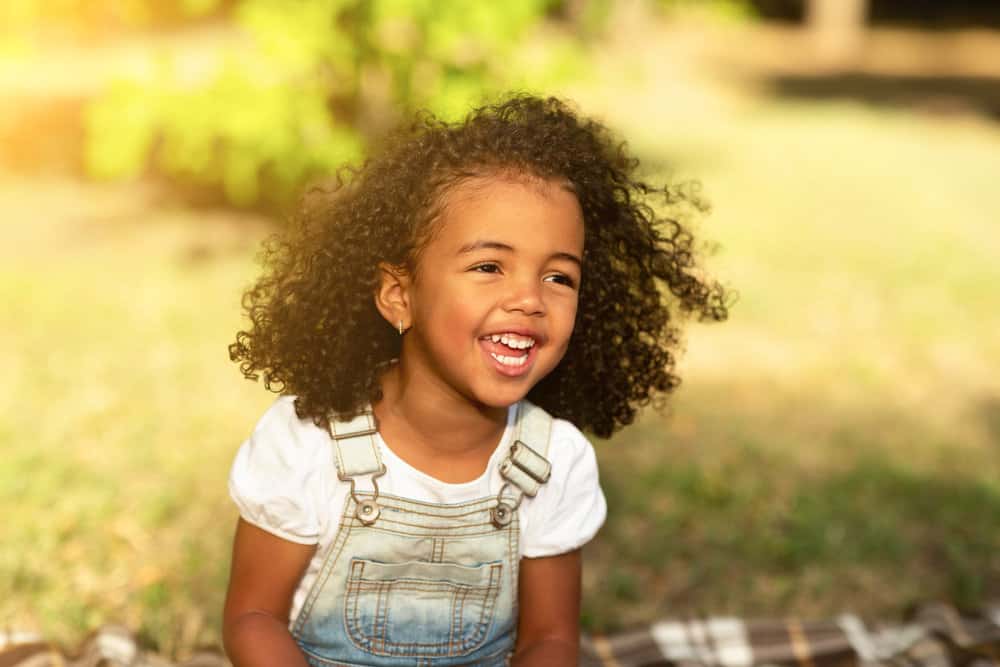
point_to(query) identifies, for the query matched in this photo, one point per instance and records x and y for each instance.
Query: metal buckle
(366, 510)
(503, 513)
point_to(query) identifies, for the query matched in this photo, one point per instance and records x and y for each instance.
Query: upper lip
(520, 331)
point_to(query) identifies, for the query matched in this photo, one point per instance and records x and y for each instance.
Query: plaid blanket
(936, 635)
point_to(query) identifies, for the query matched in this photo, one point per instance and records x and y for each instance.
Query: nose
(524, 296)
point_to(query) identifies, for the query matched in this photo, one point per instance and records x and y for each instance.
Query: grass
(833, 446)
(115, 465)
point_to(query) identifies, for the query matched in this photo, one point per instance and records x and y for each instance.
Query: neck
(439, 420)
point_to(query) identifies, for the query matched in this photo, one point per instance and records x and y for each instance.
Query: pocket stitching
(487, 612)
(368, 642)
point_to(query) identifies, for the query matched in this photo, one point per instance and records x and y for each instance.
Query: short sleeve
(570, 508)
(276, 480)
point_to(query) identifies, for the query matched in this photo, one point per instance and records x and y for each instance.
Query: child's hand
(265, 572)
(548, 630)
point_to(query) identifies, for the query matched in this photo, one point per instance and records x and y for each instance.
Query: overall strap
(356, 455)
(526, 467)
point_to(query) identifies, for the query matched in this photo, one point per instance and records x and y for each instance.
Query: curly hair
(316, 333)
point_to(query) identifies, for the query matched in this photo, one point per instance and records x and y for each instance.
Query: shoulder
(280, 428)
(279, 476)
(283, 446)
(566, 441)
(573, 459)
(282, 413)
(569, 508)
(567, 444)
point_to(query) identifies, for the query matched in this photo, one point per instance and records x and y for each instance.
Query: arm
(265, 571)
(548, 629)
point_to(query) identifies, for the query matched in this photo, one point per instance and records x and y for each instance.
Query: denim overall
(411, 583)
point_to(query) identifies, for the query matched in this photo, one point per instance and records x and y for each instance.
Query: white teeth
(510, 341)
(509, 361)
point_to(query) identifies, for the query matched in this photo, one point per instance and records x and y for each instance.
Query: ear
(392, 296)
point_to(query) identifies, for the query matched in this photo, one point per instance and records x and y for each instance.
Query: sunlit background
(835, 445)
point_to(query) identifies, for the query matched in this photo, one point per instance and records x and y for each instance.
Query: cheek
(455, 325)
(562, 325)
(568, 314)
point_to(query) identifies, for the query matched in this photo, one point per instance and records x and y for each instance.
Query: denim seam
(456, 645)
(437, 515)
(425, 533)
(490, 600)
(451, 629)
(367, 642)
(439, 510)
(399, 584)
(329, 561)
(380, 637)
(513, 558)
(457, 609)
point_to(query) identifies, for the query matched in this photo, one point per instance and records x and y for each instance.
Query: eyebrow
(497, 245)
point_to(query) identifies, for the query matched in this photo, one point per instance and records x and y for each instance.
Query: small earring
(401, 327)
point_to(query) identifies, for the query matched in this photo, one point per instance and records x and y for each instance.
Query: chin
(501, 402)
(500, 399)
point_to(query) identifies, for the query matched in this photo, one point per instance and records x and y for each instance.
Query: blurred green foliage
(312, 84)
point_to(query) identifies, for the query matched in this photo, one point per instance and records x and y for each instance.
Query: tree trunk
(837, 28)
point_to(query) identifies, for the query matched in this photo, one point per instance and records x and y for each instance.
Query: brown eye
(562, 279)
(488, 267)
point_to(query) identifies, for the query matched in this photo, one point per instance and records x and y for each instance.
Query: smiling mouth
(512, 356)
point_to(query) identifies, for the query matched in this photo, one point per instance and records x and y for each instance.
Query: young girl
(440, 327)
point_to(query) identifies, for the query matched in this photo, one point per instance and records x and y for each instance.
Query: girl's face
(493, 299)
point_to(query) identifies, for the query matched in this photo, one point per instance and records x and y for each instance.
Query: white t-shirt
(284, 481)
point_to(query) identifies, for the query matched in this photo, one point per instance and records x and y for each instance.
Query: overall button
(502, 514)
(367, 512)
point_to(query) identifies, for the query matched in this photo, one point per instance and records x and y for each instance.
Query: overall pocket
(420, 609)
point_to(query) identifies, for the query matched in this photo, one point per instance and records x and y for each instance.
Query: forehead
(534, 211)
